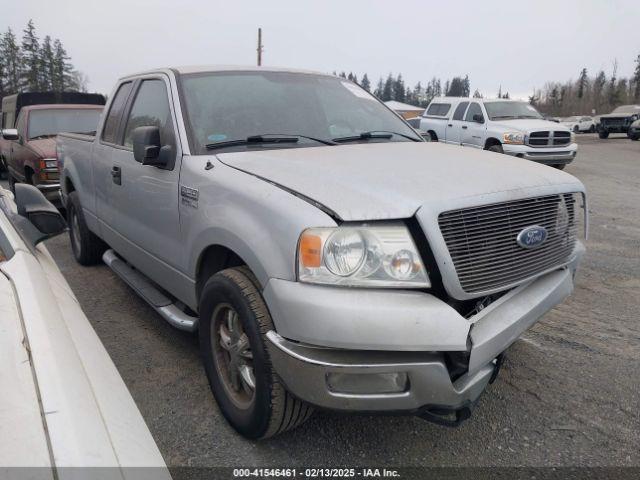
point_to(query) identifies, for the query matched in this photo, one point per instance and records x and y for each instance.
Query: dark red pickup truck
(28, 151)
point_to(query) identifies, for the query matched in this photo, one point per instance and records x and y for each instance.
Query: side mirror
(478, 118)
(43, 219)
(148, 150)
(10, 134)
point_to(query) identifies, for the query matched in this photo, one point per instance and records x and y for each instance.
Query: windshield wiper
(374, 134)
(503, 117)
(266, 138)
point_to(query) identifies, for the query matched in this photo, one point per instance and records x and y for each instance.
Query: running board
(150, 293)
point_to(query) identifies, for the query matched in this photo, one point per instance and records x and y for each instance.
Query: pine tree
(500, 92)
(63, 70)
(466, 86)
(47, 64)
(387, 91)
(31, 57)
(477, 94)
(636, 81)
(11, 62)
(583, 82)
(365, 83)
(379, 89)
(399, 89)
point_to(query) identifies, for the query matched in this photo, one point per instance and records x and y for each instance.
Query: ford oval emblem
(532, 237)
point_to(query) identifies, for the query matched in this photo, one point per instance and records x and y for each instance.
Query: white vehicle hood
(380, 181)
(529, 125)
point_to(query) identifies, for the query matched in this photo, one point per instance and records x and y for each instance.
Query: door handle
(465, 127)
(116, 175)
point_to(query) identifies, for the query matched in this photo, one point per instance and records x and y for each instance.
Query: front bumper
(551, 156)
(308, 349)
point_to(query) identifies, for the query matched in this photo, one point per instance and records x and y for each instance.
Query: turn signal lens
(310, 250)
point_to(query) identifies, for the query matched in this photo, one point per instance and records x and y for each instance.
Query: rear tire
(635, 138)
(496, 147)
(234, 320)
(87, 247)
(603, 135)
(434, 137)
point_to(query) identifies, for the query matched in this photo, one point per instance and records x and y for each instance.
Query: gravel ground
(568, 395)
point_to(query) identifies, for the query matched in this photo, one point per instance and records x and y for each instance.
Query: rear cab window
(438, 109)
(459, 113)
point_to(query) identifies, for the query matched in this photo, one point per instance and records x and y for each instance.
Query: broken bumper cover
(370, 379)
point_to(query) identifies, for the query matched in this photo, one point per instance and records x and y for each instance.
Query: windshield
(229, 106)
(627, 109)
(509, 110)
(48, 123)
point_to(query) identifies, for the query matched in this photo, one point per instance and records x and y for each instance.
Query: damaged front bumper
(399, 365)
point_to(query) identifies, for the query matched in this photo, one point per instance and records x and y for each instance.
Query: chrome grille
(545, 138)
(482, 240)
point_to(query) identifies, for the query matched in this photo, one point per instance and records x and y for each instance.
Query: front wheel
(234, 320)
(603, 135)
(496, 148)
(592, 129)
(634, 137)
(576, 129)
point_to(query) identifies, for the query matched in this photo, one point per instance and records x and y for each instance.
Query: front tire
(576, 129)
(87, 247)
(603, 135)
(496, 147)
(234, 320)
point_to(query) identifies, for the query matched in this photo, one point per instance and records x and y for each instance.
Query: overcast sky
(517, 44)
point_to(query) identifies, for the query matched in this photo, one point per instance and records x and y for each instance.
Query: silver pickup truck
(326, 254)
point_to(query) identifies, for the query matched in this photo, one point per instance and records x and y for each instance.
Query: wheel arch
(491, 141)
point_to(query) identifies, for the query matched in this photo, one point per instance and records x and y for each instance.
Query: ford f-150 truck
(326, 254)
(504, 126)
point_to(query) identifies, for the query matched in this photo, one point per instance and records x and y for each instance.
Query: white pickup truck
(326, 254)
(504, 126)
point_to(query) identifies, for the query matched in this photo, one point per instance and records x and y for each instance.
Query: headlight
(514, 138)
(50, 163)
(361, 256)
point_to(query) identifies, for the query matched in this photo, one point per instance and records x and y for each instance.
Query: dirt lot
(569, 393)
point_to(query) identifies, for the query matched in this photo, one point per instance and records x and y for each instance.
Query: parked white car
(63, 403)
(504, 126)
(579, 124)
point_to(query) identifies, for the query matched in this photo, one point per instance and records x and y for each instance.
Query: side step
(150, 293)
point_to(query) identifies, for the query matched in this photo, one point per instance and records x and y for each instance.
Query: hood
(530, 124)
(620, 115)
(381, 181)
(45, 147)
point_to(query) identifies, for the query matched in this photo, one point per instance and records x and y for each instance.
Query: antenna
(260, 48)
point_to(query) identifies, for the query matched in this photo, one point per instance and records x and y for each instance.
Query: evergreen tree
(365, 83)
(387, 91)
(456, 88)
(636, 81)
(11, 58)
(399, 89)
(63, 77)
(47, 65)
(477, 94)
(466, 86)
(31, 57)
(583, 82)
(379, 89)
(500, 91)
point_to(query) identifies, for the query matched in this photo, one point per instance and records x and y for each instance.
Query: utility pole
(260, 47)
